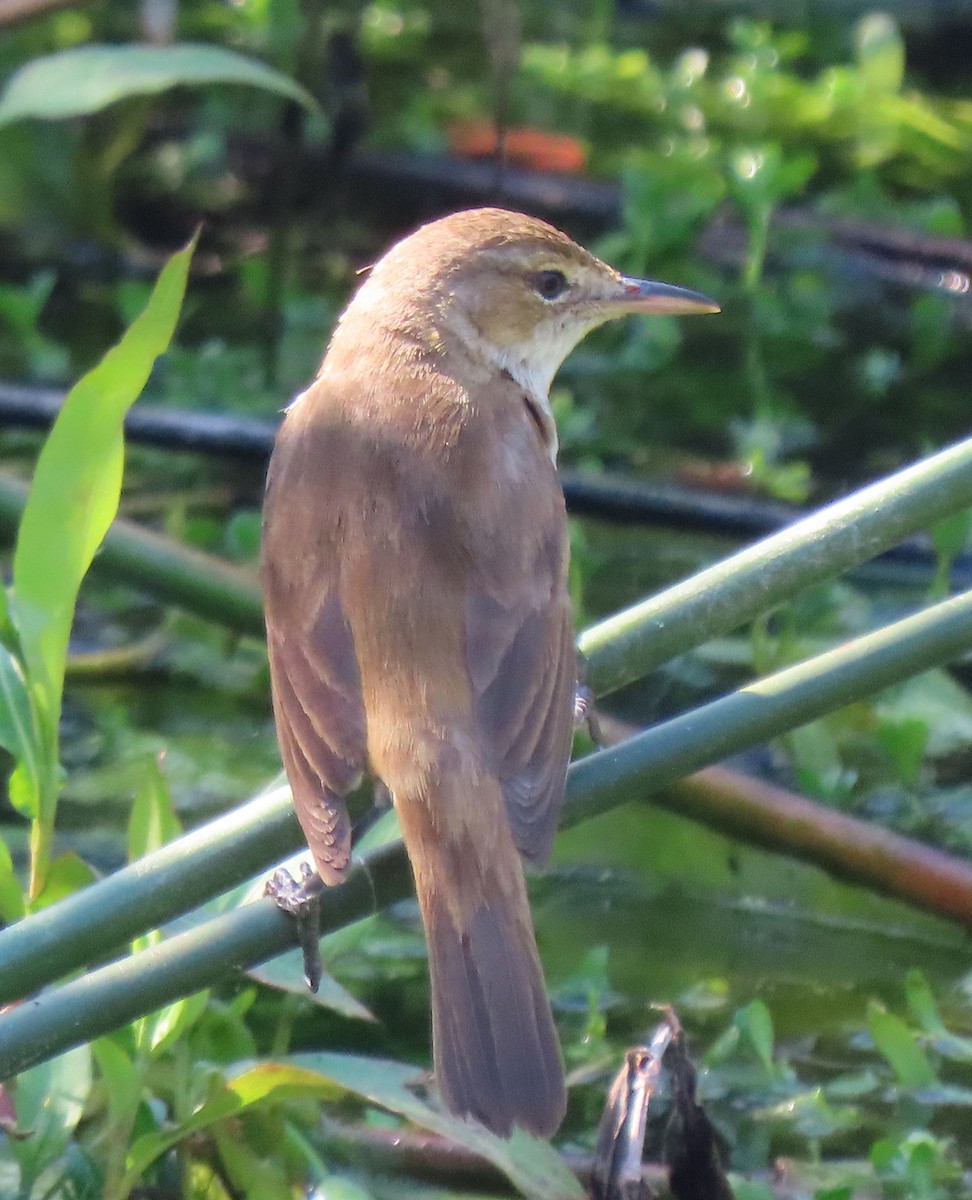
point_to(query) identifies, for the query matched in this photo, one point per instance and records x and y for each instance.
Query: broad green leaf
(339, 1187)
(150, 1146)
(228, 1099)
(74, 495)
(532, 1165)
(755, 1021)
(941, 704)
(159, 1030)
(949, 537)
(24, 788)
(811, 1115)
(50, 1102)
(123, 1083)
(254, 1176)
(68, 874)
(85, 79)
(897, 1044)
(290, 1077)
(752, 1189)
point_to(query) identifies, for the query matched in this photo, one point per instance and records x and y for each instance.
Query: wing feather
(314, 674)
(522, 664)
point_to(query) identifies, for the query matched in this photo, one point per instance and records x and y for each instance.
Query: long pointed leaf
(77, 483)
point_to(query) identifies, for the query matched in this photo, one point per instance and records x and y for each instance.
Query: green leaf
(286, 972)
(23, 788)
(75, 491)
(880, 52)
(85, 79)
(227, 1099)
(12, 906)
(811, 1115)
(897, 1044)
(153, 820)
(123, 1083)
(158, 1031)
(532, 1165)
(256, 1177)
(756, 1023)
(67, 875)
(921, 1003)
(18, 731)
(150, 1146)
(949, 536)
(752, 1189)
(50, 1103)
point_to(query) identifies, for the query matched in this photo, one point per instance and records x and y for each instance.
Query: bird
(419, 626)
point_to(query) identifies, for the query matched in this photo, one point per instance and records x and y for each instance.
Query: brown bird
(419, 627)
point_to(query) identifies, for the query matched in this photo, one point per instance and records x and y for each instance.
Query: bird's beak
(647, 296)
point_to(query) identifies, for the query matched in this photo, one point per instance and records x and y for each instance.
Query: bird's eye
(550, 284)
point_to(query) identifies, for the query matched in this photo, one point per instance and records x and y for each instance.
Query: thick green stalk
(96, 1003)
(771, 706)
(180, 876)
(632, 643)
(110, 996)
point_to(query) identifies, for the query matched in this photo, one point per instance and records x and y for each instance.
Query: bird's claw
(302, 901)
(586, 715)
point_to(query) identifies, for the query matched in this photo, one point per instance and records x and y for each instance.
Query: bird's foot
(302, 900)
(586, 715)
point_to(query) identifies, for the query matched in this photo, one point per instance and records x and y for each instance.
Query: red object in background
(535, 148)
(710, 476)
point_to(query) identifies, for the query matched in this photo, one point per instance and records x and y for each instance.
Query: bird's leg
(585, 713)
(303, 902)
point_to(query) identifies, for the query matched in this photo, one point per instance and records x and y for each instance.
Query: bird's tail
(496, 1052)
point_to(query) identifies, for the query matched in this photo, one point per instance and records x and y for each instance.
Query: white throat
(532, 364)
(535, 379)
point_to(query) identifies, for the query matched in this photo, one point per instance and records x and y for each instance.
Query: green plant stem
(630, 644)
(111, 996)
(174, 879)
(772, 706)
(174, 573)
(92, 1005)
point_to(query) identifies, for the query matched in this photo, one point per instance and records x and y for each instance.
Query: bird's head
(512, 290)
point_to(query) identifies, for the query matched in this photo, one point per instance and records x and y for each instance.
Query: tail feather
(495, 1046)
(497, 1057)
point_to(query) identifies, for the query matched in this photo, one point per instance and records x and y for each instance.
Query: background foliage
(810, 168)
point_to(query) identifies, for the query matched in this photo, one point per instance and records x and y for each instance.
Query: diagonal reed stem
(629, 644)
(95, 1003)
(845, 534)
